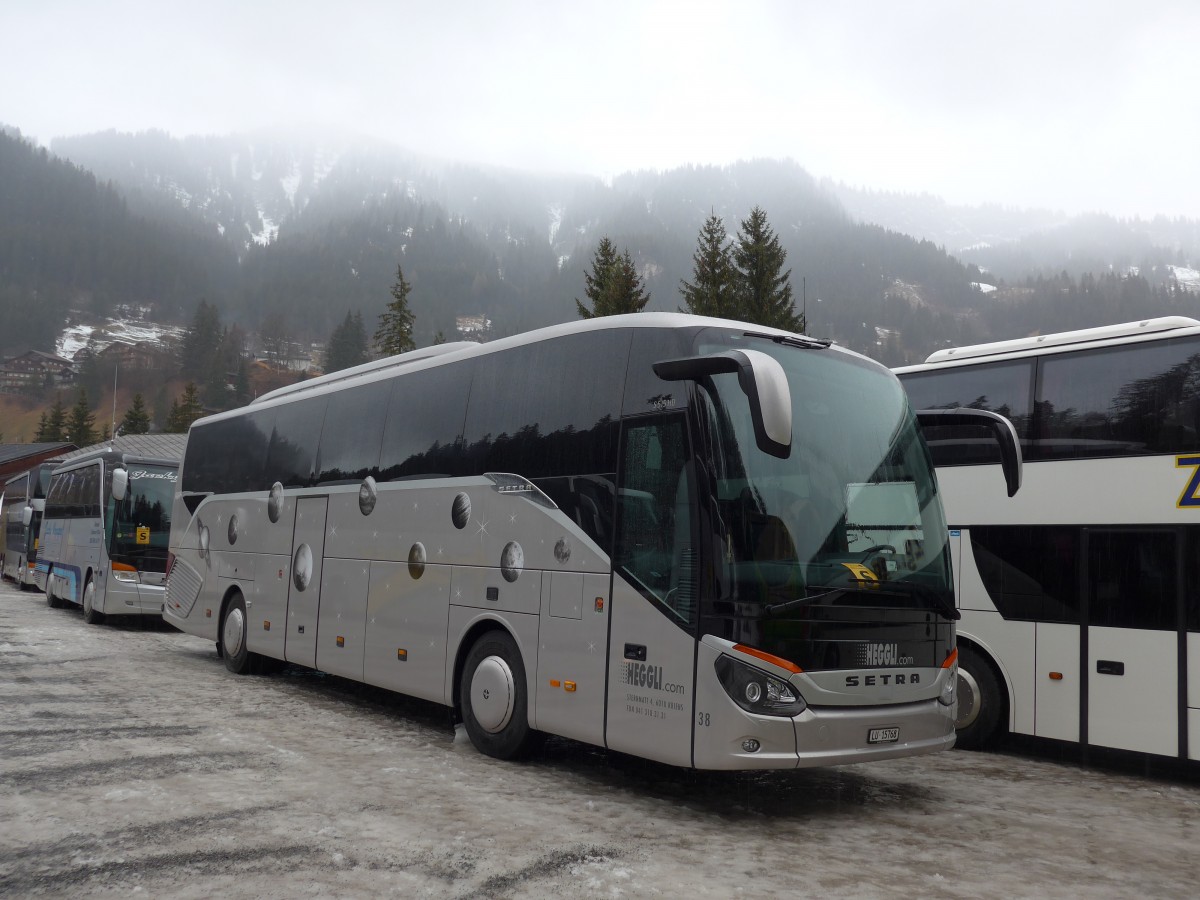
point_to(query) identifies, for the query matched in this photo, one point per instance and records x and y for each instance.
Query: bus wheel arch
(982, 700)
(492, 693)
(87, 600)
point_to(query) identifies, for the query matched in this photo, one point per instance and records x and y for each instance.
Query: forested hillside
(293, 233)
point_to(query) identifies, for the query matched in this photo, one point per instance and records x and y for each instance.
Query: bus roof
(1062, 338)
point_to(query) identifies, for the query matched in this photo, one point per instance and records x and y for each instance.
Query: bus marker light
(341, 641)
(769, 657)
(569, 687)
(951, 658)
(554, 682)
(266, 624)
(402, 655)
(599, 604)
(208, 614)
(1056, 676)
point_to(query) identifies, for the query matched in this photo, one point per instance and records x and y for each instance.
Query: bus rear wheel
(980, 702)
(234, 651)
(91, 615)
(494, 698)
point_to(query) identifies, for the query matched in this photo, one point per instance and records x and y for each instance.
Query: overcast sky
(1070, 104)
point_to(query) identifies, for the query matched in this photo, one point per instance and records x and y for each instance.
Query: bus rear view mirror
(27, 516)
(120, 484)
(1000, 427)
(762, 380)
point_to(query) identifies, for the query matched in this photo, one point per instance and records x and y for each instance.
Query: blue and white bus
(104, 534)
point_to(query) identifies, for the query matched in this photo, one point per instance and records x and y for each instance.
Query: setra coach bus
(24, 501)
(692, 540)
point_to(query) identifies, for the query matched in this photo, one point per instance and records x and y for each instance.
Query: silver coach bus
(24, 501)
(104, 534)
(692, 540)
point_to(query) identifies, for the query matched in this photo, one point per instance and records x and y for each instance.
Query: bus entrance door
(1132, 657)
(304, 587)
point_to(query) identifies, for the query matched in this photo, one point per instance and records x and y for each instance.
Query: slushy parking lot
(131, 761)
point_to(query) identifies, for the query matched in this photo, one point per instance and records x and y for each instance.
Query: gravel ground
(132, 762)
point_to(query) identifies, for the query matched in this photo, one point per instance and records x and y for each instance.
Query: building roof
(14, 452)
(162, 446)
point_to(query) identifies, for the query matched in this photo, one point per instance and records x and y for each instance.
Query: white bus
(24, 499)
(691, 540)
(105, 531)
(1080, 598)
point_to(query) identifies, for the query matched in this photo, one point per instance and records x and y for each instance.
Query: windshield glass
(854, 507)
(139, 527)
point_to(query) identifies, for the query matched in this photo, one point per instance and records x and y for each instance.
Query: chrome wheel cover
(493, 694)
(968, 699)
(234, 633)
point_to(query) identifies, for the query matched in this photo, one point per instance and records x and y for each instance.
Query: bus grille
(183, 587)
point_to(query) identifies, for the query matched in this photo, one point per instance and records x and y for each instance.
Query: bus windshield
(853, 510)
(138, 528)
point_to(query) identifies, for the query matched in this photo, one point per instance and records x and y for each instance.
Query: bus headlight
(757, 692)
(946, 697)
(126, 573)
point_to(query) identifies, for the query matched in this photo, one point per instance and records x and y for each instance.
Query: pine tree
(184, 411)
(81, 423)
(55, 428)
(201, 343)
(613, 286)
(713, 290)
(347, 344)
(40, 436)
(137, 418)
(394, 334)
(765, 294)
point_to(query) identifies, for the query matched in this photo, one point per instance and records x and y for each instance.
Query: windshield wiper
(798, 601)
(803, 342)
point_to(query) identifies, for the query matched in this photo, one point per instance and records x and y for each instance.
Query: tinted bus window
(1031, 573)
(292, 456)
(1132, 579)
(229, 456)
(423, 433)
(1119, 401)
(353, 433)
(1004, 388)
(548, 409)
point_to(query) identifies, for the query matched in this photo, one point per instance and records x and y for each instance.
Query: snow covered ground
(128, 331)
(132, 762)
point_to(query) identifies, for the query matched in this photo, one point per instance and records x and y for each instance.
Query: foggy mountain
(308, 229)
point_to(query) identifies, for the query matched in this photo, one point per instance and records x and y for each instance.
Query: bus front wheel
(51, 598)
(980, 702)
(494, 698)
(233, 637)
(91, 615)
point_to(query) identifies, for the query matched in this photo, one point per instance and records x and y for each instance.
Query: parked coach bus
(105, 532)
(1080, 598)
(692, 540)
(24, 500)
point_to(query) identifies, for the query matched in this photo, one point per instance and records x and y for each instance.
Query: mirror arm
(1002, 430)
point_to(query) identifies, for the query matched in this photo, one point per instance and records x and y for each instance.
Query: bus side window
(654, 530)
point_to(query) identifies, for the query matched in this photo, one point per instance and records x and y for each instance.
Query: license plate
(883, 735)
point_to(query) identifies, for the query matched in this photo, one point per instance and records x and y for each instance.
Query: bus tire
(51, 598)
(91, 615)
(494, 698)
(237, 656)
(981, 706)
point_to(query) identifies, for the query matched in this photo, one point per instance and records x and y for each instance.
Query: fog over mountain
(307, 226)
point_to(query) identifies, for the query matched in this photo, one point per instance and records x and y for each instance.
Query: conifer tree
(54, 427)
(81, 423)
(394, 334)
(137, 418)
(201, 343)
(713, 290)
(347, 344)
(613, 286)
(765, 293)
(184, 411)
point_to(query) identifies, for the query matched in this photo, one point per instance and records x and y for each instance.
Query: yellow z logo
(1191, 494)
